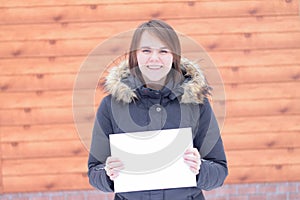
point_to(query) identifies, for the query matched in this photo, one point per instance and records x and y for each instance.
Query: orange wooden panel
(258, 157)
(231, 125)
(264, 107)
(145, 11)
(38, 166)
(35, 116)
(236, 41)
(246, 139)
(136, 11)
(277, 57)
(1, 166)
(246, 58)
(75, 181)
(261, 91)
(61, 115)
(41, 83)
(43, 133)
(48, 65)
(47, 99)
(282, 123)
(270, 173)
(256, 74)
(63, 99)
(265, 140)
(34, 3)
(40, 67)
(107, 29)
(46, 182)
(44, 149)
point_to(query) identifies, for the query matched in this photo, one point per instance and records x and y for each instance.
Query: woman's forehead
(151, 41)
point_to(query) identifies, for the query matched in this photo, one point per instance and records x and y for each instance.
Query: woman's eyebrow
(147, 47)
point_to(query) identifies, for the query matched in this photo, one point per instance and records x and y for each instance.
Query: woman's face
(154, 59)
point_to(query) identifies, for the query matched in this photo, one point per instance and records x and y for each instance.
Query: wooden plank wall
(254, 43)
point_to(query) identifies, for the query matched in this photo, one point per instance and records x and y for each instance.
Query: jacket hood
(194, 87)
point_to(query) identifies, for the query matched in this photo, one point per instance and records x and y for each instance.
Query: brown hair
(167, 35)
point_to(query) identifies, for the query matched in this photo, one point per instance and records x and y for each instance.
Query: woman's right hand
(113, 166)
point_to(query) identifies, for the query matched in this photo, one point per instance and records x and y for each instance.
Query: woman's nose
(154, 55)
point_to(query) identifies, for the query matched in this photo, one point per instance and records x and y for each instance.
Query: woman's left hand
(193, 159)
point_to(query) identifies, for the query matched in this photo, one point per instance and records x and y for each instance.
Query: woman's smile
(154, 67)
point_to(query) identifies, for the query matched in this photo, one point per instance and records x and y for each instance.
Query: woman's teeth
(154, 66)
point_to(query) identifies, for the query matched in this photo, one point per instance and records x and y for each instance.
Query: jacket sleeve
(100, 149)
(213, 169)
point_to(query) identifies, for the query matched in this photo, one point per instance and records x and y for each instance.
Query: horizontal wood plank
(145, 11)
(38, 166)
(263, 174)
(259, 91)
(245, 139)
(224, 42)
(48, 99)
(247, 58)
(61, 102)
(77, 181)
(268, 107)
(40, 133)
(255, 74)
(97, 64)
(41, 83)
(235, 145)
(243, 174)
(55, 165)
(236, 125)
(288, 156)
(45, 183)
(31, 116)
(57, 132)
(44, 149)
(66, 30)
(51, 115)
(36, 116)
(248, 141)
(36, 3)
(49, 65)
(283, 123)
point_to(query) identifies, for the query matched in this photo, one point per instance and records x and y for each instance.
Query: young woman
(157, 89)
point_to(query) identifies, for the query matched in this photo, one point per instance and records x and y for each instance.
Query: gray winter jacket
(131, 107)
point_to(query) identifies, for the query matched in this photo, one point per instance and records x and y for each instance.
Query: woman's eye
(164, 51)
(146, 50)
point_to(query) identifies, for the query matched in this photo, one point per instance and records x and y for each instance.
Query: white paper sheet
(152, 159)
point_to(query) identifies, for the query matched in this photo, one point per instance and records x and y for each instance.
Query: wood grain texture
(46, 182)
(254, 174)
(144, 11)
(254, 45)
(211, 43)
(65, 30)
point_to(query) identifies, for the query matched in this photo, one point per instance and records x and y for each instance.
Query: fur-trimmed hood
(194, 88)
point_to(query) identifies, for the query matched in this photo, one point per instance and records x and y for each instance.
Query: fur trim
(195, 89)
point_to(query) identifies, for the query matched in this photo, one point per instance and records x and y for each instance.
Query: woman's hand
(193, 159)
(112, 167)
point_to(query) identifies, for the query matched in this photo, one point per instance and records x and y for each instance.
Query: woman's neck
(154, 86)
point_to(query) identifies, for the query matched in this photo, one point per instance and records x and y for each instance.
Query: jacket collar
(122, 86)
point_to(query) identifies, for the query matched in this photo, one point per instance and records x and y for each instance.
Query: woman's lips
(154, 67)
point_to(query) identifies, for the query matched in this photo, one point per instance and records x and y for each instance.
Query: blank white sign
(152, 159)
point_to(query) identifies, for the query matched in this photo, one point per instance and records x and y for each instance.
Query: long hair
(168, 36)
